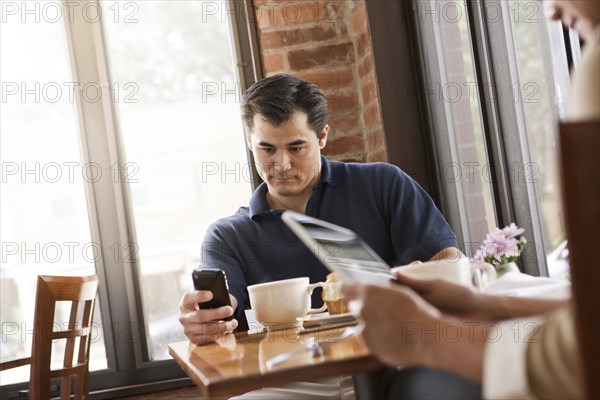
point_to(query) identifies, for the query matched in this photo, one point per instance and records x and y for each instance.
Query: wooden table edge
(239, 385)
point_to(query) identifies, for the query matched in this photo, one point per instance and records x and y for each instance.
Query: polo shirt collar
(258, 202)
(329, 172)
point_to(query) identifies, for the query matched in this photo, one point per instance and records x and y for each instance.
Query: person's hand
(448, 297)
(396, 323)
(204, 326)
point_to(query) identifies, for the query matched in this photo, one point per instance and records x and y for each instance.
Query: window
(182, 110)
(514, 59)
(150, 128)
(527, 52)
(544, 93)
(44, 225)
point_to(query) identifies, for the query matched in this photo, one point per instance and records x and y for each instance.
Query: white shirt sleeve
(505, 359)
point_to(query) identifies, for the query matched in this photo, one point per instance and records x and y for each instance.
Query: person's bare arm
(205, 326)
(464, 302)
(507, 307)
(468, 346)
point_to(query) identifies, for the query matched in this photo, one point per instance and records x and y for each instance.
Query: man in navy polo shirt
(285, 118)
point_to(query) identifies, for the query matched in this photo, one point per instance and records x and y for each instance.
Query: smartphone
(215, 281)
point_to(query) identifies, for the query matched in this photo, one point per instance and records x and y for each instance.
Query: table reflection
(238, 363)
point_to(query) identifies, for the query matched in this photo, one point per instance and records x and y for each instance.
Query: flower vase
(508, 267)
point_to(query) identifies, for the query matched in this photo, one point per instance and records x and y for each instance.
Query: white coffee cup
(281, 302)
(459, 271)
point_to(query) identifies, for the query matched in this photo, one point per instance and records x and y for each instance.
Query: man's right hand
(203, 326)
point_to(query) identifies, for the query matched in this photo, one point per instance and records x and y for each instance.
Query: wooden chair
(81, 292)
(580, 152)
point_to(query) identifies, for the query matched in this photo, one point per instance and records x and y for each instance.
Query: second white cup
(459, 271)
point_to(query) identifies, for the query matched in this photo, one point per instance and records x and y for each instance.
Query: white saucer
(325, 319)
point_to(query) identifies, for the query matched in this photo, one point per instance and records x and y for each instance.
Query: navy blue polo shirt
(378, 201)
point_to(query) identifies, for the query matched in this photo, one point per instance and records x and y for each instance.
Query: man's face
(580, 15)
(287, 156)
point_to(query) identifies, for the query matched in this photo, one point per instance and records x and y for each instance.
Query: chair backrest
(81, 293)
(580, 153)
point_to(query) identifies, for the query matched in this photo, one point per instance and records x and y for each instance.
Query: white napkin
(523, 285)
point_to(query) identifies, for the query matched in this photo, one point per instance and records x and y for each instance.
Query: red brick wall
(328, 43)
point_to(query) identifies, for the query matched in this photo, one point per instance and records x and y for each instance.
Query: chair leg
(81, 386)
(65, 388)
(39, 384)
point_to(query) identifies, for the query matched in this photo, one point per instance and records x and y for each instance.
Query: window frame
(249, 62)
(506, 116)
(495, 61)
(503, 116)
(110, 209)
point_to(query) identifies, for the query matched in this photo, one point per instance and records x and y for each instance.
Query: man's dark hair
(276, 98)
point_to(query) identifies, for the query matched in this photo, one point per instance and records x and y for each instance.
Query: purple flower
(512, 230)
(498, 245)
(501, 246)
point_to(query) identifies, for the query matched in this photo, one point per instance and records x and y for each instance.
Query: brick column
(328, 43)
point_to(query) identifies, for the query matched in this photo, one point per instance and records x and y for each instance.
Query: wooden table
(237, 363)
